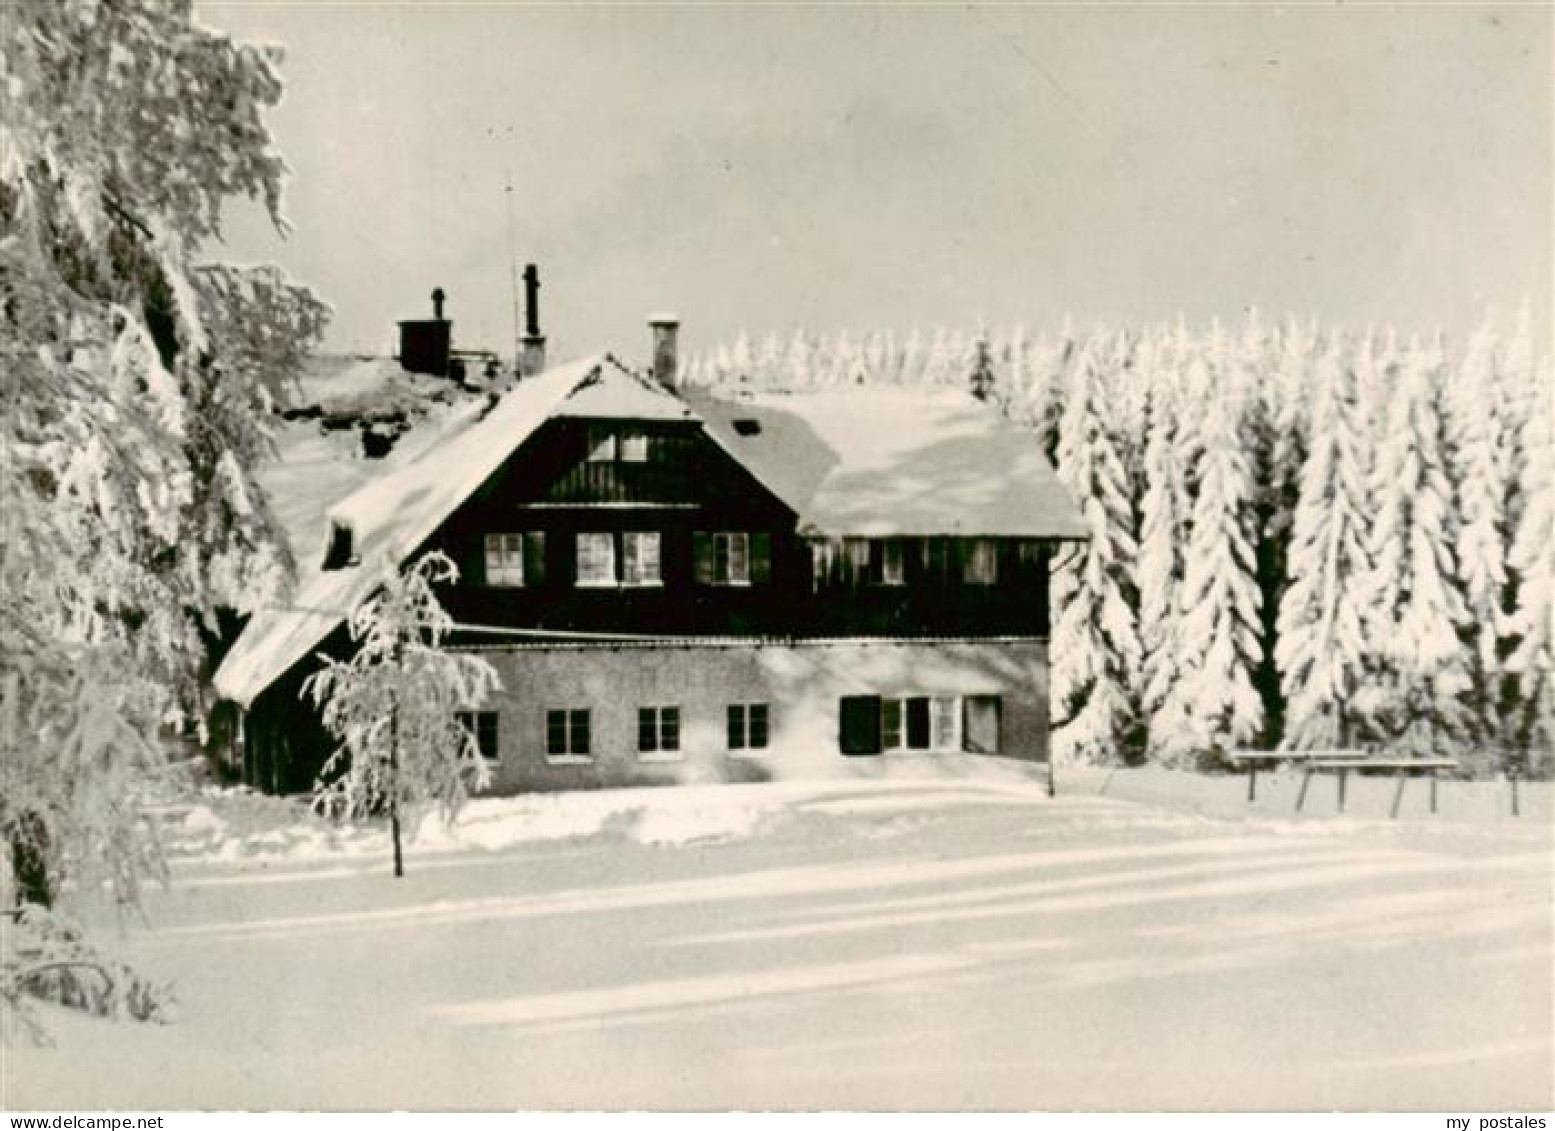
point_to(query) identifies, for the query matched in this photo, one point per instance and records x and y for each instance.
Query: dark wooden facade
(688, 487)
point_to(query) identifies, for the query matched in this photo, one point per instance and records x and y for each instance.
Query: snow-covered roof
(871, 461)
(618, 399)
(392, 516)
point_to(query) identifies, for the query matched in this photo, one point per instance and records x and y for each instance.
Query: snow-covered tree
(1321, 636)
(1281, 416)
(135, 387)
(1217, 640)
(395, 704)
(1482, 437)
(1163, 527)
(1532, 660)
(982, 378)
(1095, 639)
(1418, 669)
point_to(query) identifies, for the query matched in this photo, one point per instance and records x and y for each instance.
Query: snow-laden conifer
(1164, 511)
(1322, 642)
(1532, 660)
(1480, 400)
(394, 706)
(1418, 668)
(1218, 637)
(1095, 640)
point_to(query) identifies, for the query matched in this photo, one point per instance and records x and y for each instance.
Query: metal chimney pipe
(531, 300)
(532, 352)
(437, 303)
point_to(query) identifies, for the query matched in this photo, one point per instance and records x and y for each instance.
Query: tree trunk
(29, 841)
(394, 825)
(394, 770)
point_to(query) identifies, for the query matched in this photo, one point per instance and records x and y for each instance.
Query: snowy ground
(928, 943)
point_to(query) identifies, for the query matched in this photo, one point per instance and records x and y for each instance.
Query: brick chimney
(666, 361)
(531, 359)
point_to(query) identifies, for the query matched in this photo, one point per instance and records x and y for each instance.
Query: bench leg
(1398, 795)
(1433, 793)
(1516, 812)
(1306, 779)
(1342, 775)
(1252, 782)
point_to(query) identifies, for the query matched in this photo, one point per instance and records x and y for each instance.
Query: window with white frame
(640, 558)
(747, 727)
(567, 735)
(982, 563)
(920, 722)
(505, 559)
(658, 733)
(944, 723)
(731, 558)
(596, 559)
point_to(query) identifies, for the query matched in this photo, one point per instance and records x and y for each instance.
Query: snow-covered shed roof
(392, 516)
(878, 462)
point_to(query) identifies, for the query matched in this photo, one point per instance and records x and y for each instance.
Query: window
(504, 559)
(938, 561)
(891, 737)
(731, 559)
(658, 733)
(607, 445)
(904, 723)
(893, 567)
(482, 725)
(596, 559)
(872, 724)
(341, 551)
(602, 445)
(981, 566)
(944, 723)
(567, 736)
(640, 558)
(747, 726)
(856, 554)
(634, 447)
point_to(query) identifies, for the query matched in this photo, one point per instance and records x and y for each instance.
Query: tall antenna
(518, 347)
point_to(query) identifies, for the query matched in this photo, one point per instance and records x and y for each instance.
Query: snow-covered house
(676, 585)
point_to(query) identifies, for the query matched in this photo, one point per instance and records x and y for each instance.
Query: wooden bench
(1341, 762)
(1253, 758)
(1401, 768)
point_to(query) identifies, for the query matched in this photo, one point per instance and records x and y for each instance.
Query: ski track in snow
(744, 886)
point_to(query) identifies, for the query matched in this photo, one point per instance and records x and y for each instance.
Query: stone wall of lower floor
(801, 685)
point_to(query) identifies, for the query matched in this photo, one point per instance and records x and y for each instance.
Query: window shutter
(534, 558)
(761, 558)
(859, 717)
(474, 572)
(980, 732)
(702, 551)
(912, 561)
(917, 724)
(876, 553)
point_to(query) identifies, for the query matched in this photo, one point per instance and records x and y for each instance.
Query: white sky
(761, 167)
